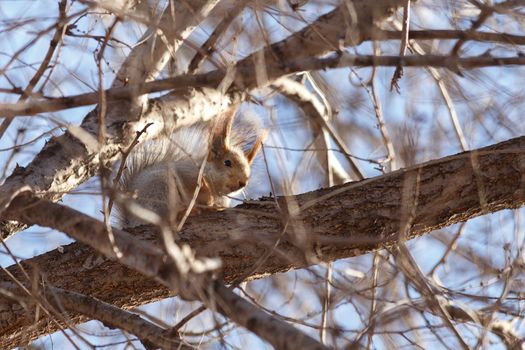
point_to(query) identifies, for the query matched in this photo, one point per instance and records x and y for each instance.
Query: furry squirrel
(163, 175)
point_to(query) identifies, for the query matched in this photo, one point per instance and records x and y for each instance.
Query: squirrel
(164, 174)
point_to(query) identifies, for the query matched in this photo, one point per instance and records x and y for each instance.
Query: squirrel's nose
(242, 184)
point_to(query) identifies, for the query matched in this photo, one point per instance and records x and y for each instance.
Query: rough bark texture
(327, 224)
(66, 162)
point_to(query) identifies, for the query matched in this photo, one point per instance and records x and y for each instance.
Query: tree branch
(69, 162)
(327, 224)
(246, 77)
(176, 269)
(451, 34)
(113, 316)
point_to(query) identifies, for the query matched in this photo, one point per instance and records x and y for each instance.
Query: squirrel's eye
(228, 163)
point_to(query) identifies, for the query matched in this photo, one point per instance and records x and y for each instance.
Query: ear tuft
(220, 141)
(250, 155)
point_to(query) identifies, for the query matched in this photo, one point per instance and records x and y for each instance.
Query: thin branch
(451, 34)
(446, 97)
(146, 61)
(122, 166)
(486, 12)
(314, 109)
(457, 313)
(391, 159)
(53, 44)
(282, 334)
(113, 316)
(245, 76)
(175, 329)
(398, 73)
(326, 303)
(207, 49)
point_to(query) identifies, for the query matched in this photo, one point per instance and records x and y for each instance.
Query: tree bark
(66, 162)
(278, 234)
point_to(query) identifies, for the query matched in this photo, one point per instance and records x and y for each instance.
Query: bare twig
(452, 34)
(207, 49)
(403, 46)
(391, 160)
(243, 76)
(57, 37)
(446, 97)
(313, 108)
(486, 12)
(122, 166)
(113, 316)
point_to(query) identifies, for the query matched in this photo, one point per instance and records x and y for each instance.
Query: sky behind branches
(488, 102)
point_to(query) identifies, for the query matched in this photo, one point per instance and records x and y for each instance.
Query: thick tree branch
(327, 224)
(165, 268)
(71, 162)
(176, 269)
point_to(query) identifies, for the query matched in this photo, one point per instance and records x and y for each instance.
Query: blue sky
(417, 108)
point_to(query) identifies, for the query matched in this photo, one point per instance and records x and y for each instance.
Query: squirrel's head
(228, 168)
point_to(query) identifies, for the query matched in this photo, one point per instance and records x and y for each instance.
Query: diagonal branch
(69, 162)
(340, 222)
(316, 111)
(154, 263)
(113, 316)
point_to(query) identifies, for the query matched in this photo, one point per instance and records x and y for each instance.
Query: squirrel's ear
(250, 155)
(222, 129)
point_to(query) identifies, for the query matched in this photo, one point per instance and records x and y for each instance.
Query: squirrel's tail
(185, 144)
